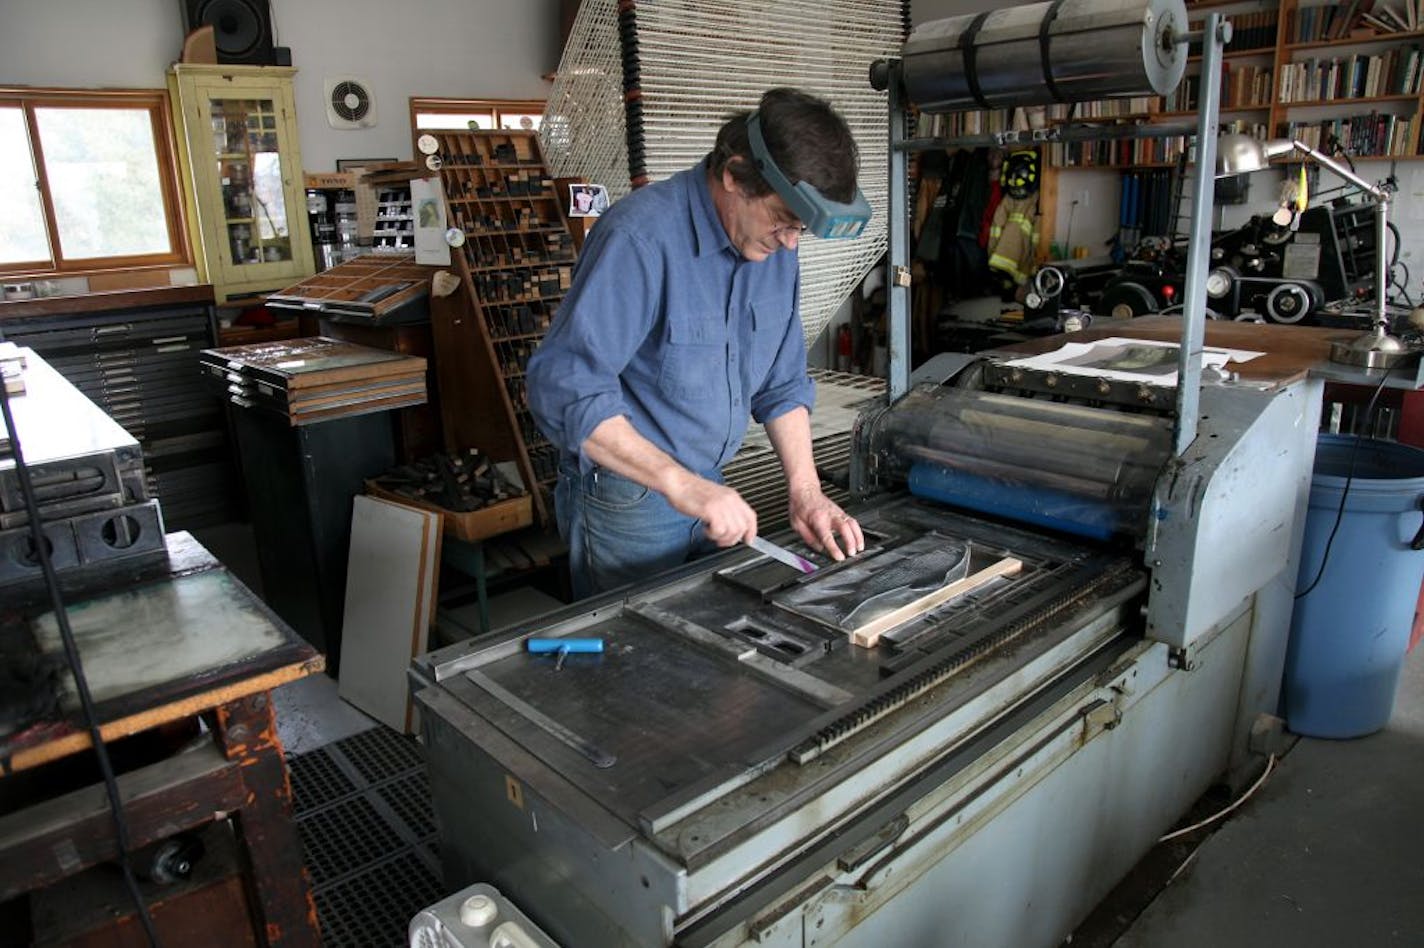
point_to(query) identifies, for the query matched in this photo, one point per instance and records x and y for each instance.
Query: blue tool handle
(549, 646)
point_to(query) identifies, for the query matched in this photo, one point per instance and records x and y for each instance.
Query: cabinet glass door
(254, 206)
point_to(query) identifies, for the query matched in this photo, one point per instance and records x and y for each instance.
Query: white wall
(496, 49)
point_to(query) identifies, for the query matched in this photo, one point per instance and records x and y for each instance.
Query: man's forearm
(790, 436)
(617, 445)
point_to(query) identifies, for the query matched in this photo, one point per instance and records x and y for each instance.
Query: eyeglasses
(795, 229)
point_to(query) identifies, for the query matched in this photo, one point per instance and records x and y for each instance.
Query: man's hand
(616, 445)
(823, 524)
(729, 519)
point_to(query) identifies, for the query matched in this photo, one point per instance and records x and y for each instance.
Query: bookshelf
(515, 264)
(1328, 70)
(1353, 75)
(1305, 69)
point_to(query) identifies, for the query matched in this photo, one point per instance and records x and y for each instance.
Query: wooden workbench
(186, 641)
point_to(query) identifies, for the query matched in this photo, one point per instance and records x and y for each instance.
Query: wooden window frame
(165, 147)
(442, 104)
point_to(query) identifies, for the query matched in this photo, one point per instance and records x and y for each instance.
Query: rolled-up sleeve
(573, 377)
(787, 383)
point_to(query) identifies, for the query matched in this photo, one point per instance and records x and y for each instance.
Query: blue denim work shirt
(666, 324)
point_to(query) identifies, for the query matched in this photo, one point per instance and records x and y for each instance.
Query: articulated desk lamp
(1377, 349)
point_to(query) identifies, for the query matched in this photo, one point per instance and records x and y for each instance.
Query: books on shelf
(1249, 31)
(1357, 76)
(1330, 22)
(1377, 133)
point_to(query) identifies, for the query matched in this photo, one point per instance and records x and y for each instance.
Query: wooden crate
(469, 525)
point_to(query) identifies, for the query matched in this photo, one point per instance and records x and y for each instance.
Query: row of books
(1147, 151)
(1241, 87)
(1373, 134)
(1103, 108)
(1336, 21)
(1393, 72)
(954, 124)
(1248, 31)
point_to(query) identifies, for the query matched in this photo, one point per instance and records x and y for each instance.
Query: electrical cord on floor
(1270, 766)
(1401, 285)
(1345, 493)
(71, 651)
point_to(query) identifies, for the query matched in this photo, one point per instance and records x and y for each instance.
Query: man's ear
(729, 183)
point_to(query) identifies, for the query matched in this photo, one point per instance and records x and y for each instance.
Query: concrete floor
(1326, 853)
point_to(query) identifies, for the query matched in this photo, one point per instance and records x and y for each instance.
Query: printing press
(761, 756)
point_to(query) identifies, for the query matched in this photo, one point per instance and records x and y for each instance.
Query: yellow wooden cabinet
(242, 171)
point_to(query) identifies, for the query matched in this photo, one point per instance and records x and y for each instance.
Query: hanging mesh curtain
(643, 87)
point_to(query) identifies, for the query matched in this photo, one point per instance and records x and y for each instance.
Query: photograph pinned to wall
(431, 246)
(587, 200)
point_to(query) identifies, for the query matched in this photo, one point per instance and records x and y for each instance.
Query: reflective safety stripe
(1011, 267)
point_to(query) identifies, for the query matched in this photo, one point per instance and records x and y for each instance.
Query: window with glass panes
(429, 114)
(88, 181)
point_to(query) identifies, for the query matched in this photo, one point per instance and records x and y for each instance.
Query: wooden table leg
(280, 891)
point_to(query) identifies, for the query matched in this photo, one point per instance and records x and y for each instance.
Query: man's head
(807, 140)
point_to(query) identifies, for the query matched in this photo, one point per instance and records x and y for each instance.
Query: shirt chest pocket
(769, 316)
(694, 361)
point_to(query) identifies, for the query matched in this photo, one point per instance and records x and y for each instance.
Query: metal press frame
(1215, 34)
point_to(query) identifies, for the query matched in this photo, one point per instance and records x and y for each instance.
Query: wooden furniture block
(390, 605)
(868, 635)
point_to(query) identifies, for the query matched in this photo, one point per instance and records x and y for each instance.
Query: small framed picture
(587, 200)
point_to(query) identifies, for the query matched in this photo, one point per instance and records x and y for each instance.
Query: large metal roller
(1078, 469)
(1061, 51)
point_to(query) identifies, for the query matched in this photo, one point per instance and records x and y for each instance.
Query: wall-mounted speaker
(242, 29)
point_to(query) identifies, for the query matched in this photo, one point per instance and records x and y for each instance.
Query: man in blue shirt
(682, 321)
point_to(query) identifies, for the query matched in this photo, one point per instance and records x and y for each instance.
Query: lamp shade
(1240, 154)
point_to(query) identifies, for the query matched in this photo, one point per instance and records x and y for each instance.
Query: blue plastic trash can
(1349, 634)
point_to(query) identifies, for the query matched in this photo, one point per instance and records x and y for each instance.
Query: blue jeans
(618, 531)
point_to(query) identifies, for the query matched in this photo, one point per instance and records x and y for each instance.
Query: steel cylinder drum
(1061, 51)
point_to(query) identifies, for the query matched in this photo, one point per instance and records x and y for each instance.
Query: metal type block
(19, 561)
(128, 531)
(93, 477)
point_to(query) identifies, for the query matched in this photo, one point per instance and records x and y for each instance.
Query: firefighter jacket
(1012, 237)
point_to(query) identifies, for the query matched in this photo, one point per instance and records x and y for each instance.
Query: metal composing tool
(781, 554)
